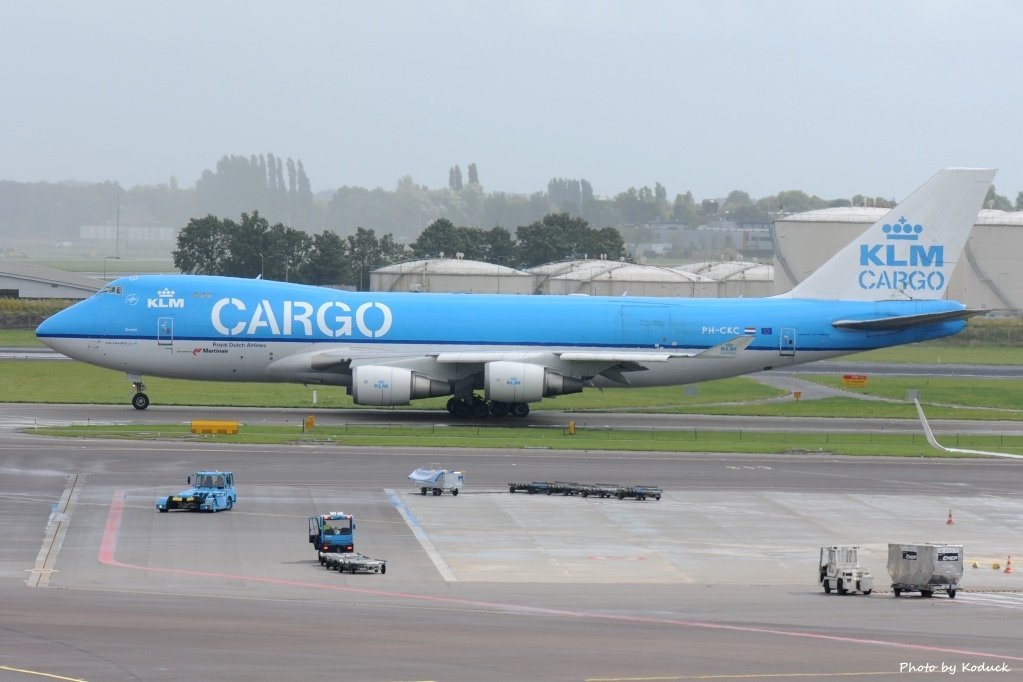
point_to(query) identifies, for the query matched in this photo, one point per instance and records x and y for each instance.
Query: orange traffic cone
(950, 522)
(1008, 565)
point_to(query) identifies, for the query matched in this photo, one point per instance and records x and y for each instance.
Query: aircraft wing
(897, 322)
(582, 363)
(728, 348)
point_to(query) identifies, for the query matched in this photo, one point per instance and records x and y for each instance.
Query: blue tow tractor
(333, 536)
(332, 533)
(209, 491)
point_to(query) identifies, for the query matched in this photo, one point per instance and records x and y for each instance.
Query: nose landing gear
(140, 400)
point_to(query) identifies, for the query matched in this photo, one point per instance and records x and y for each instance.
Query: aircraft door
(646, 325)
(788, 342)
(165, 331)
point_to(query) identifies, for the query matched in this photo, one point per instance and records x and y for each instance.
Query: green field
(748, 442)
(70, 382)
(61, 381)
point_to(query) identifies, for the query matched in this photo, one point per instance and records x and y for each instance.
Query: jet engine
(380, 385)
(523, 382)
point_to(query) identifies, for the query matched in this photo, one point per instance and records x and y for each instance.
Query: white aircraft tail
(911, 252)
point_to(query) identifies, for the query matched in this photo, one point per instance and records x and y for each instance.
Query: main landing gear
(140, 400)
(481, 408)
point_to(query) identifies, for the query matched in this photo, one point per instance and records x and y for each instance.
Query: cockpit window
(111, 289)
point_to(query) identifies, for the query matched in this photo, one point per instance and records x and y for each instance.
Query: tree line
(280, 190)
(253, 247)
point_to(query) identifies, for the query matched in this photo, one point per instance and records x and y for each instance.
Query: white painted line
(56, 529)
(424, 540)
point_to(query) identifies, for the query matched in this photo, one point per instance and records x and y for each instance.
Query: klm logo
(900, 263)
(381, 384)
(514, 381)
(165, 299)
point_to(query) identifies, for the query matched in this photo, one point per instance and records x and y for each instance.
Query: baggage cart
(353, 562)
(639, 492)
(437, 480)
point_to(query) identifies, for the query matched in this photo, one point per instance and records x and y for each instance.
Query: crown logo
(165, 293)
(902, 230)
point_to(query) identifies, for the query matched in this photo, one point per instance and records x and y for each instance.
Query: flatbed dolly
(639, 492)
(353, 562)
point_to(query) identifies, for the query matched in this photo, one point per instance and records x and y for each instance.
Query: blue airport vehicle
(211, 491)
(332, 533)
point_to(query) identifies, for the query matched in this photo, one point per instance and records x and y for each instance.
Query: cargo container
(925, 568)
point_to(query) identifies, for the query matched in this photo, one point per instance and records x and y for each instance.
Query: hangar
(453, 275)
(24, 280)
(735, 278)
(987, 277)
(618, 278)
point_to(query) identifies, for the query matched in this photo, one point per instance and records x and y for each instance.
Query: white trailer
(437, 480)
(839, 570)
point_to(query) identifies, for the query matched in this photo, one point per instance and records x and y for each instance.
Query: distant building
(735, 278)
(24, 280)
(618, 278)
(451, 275)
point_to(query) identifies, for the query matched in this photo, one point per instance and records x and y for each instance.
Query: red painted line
(108, 548)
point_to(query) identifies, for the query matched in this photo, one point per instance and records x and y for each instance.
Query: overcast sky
(834, 98)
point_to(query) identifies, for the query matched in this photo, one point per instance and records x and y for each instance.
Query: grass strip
(687, 440)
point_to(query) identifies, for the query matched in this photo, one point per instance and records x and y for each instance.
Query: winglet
(911, 252)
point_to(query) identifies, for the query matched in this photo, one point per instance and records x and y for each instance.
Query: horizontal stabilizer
(905, 321)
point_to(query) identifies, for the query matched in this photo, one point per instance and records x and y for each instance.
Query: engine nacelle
(380, 385)
(523, 382)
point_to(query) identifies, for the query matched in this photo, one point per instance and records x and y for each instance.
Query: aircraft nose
(53, 330)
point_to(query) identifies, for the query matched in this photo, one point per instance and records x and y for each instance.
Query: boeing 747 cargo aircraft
(886, 288)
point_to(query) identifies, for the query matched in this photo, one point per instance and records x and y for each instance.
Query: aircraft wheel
(140, 401)
(451, 405)
(480, 410)
(520, 409)
(499, 409)
(461, 410)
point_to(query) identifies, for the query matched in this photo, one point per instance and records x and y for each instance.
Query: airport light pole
(105, 259)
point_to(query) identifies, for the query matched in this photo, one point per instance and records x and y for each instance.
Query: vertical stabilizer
(911, 252)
